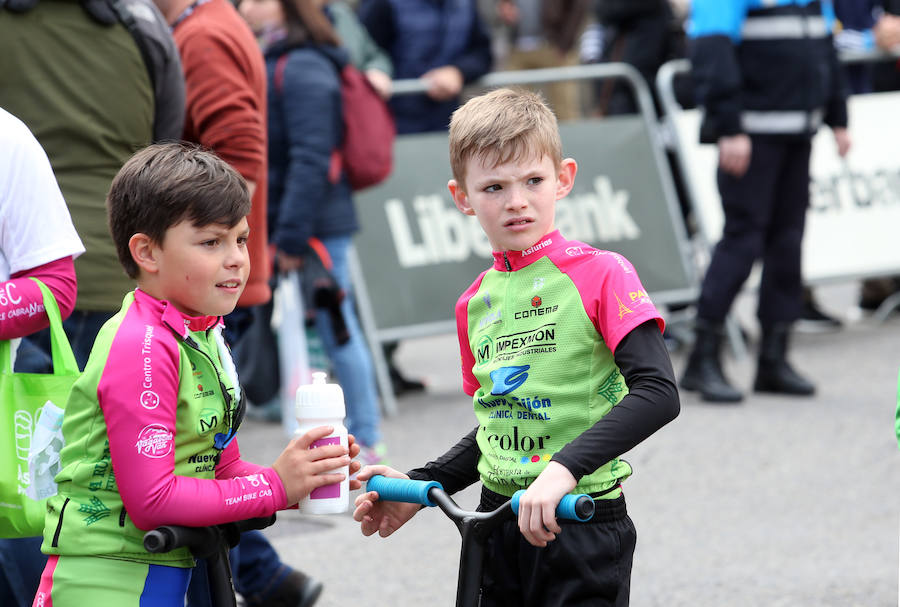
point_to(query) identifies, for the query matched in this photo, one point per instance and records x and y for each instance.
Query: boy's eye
(493, 188)
(535, 180)
(242, 240)
(209, 243)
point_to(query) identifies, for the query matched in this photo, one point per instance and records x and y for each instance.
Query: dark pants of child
(588, 564)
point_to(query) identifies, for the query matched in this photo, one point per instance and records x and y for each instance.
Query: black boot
(704, 369)
(774, 373)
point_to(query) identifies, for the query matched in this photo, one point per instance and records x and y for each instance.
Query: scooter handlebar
(572, 507)
(169, 537)
(402, 489)
(578, 507)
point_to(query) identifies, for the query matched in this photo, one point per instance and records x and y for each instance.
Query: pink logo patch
(155, 441)
(149, 399)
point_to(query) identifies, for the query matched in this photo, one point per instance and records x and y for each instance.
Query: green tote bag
(22, 397)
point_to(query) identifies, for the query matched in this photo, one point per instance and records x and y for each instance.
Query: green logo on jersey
(209, 419)
(95, 510)
(612, 387)
(484, 351)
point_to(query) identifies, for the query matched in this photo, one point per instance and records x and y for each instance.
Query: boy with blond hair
(563, 356)
(149, 426)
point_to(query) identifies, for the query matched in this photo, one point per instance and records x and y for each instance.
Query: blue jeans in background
(352, 361)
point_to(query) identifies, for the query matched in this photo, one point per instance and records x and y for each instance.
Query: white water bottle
(322, 404)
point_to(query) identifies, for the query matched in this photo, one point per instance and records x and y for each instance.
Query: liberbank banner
(416, 252)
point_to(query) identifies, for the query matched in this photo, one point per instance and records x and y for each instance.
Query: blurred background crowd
(259, 82)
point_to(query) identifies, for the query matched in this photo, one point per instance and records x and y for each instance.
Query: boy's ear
(566, 177)
(459, 197)
(143, 251)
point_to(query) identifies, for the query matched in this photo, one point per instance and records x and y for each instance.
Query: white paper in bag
(43, 453)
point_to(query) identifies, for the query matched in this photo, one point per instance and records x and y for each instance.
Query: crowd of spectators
(96, 80)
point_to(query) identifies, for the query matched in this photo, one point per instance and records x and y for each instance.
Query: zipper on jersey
(509, 276)
(196, 347)
(233, 423)
(193, 345)
(62, 511)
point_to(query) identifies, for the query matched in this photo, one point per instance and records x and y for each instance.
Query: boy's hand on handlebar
(378, 515)
(537, 507)
(303, 469)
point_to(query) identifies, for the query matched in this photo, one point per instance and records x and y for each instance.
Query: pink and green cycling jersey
(537, 335)
(148, 439)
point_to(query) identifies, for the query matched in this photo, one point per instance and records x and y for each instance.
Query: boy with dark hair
(563, 356)
(159, 402)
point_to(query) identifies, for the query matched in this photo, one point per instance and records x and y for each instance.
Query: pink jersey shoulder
(610, 290)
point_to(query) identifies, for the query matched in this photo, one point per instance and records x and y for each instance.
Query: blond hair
(504, 125)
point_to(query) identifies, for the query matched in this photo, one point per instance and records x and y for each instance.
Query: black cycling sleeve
(651, 402)
(454, 470)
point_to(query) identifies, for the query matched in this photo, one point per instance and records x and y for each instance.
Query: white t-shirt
(35, 226)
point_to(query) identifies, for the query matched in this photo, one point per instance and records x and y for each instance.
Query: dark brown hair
(167, 183)
(306, 22)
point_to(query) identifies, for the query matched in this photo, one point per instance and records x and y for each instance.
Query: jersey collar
(181, 324)
(510, 261)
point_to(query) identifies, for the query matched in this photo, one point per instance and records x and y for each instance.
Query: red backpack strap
(279, 72)
(335, 166)
(319, 248)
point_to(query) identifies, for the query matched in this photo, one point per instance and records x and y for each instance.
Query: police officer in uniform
(767, 76)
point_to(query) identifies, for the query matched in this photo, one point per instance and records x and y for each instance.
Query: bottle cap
(320, 400)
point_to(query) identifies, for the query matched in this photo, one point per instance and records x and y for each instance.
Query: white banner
(853, 225)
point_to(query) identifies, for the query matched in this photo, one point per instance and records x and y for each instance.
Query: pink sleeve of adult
(141, 427)
(613, 295)
(22, 304)
(467, 359)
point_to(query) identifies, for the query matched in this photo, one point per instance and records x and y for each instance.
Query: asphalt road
(778, 501)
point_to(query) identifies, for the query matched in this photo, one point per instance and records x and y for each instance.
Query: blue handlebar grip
(402, 489)
(573, 507)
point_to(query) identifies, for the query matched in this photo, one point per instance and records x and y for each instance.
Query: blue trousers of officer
(765, 214)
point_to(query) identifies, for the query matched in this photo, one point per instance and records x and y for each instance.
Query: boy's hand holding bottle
(302, 469)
